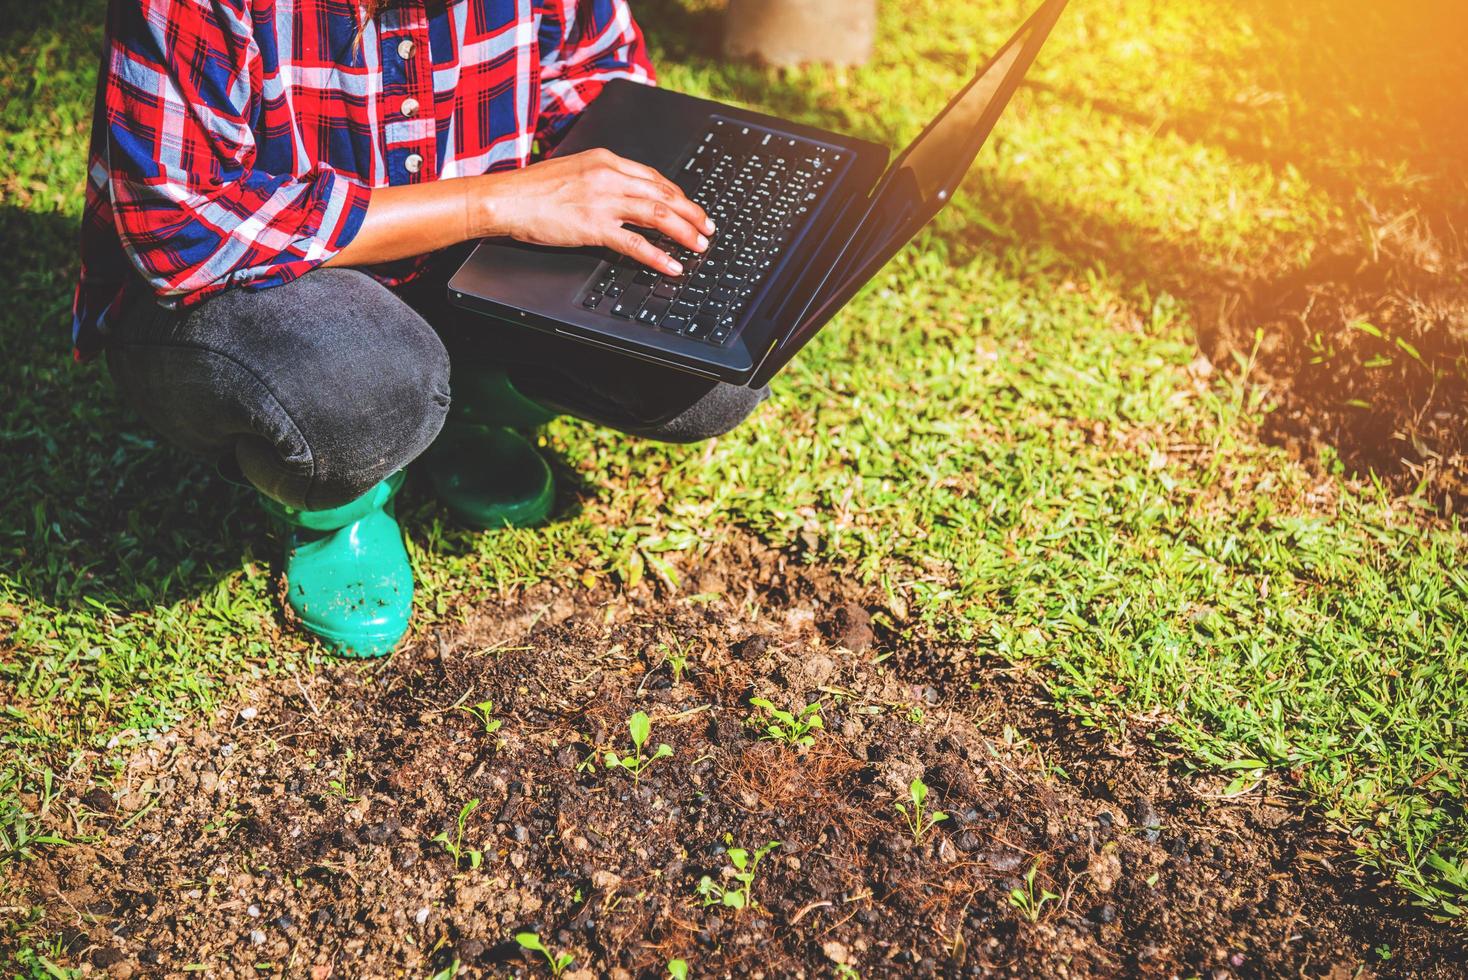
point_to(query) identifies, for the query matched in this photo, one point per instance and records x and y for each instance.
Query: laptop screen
(922, 180)
(939, 158)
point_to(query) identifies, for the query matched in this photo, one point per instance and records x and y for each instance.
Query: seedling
(678, 970)
(676, 657)
(783, 726)
(558, 961)
(1028, 899)
(484, 712)
(918, 821)
(745, 866)
(640, 727)
(455, 848)
(342, 785)
(587, 764)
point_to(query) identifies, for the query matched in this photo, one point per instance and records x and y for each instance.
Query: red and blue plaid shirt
(235, 143)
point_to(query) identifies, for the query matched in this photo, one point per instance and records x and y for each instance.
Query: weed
(455, 848)
(640, 728)
(1029, 898)
(675, 655)
(744, 867)
(342, 785)
(484, 713)
(449, 972)
(20, 830)
(677, 970)
(557, 961)
(784, 726)
(918, 821)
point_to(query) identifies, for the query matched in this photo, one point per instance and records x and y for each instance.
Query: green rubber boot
(347, 573)
(482, 465)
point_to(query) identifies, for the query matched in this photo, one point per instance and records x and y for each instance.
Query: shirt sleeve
(584, 44)
(193, 214)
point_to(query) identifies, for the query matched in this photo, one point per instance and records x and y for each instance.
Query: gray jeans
(318, 389)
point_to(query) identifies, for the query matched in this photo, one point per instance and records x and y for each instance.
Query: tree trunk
(795, 32)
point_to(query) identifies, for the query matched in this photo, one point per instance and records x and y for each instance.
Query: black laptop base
(548, 288)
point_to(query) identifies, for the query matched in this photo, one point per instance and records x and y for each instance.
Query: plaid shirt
(236, 142)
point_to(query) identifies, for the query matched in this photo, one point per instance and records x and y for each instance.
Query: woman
(277, 192)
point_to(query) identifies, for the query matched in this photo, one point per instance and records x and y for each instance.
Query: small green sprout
(449, 972)
(342, 785)
(745, 865)
(1027, 899)
(787, 727)
(678, 970)
(640, 727)
(455, 848)
(845, 971)
(558, 961)
(918, 821)
(484, 712)
(676, 657)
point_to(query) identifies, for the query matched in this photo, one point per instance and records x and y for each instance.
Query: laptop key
(652, 312)
(630, 302)
(759, 189)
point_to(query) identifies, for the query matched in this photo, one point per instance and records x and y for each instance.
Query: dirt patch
(296, 834)
(1365, 350)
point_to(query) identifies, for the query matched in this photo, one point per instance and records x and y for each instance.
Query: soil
(1365, 350)
(295, 833)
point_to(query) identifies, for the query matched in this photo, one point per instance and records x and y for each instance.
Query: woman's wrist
(484, 206)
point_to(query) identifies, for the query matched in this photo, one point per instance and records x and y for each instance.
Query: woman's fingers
(630, 243)
(664, 190)
(662, 217)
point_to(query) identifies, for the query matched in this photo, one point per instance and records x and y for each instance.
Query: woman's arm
(190, 210)
(196, 218)
(583, 199)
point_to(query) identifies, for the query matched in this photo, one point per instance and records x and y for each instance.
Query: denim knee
(719, 411)
(317, 389)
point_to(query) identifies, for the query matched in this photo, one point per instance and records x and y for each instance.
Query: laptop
(804, 219)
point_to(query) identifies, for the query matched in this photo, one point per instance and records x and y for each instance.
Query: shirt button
(409, 106)
(413, 163)
(405, 48)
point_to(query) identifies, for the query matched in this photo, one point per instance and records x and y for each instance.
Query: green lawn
(1010, 431)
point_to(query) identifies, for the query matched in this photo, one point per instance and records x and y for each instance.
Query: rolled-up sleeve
(584, 44)
(193, 214)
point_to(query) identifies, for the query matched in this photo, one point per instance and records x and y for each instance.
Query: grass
(1009, 431)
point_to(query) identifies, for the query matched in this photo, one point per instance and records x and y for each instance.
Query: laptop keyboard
(760, 189)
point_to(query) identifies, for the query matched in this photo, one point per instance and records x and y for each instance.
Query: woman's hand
(583, 199)
(586, 199)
